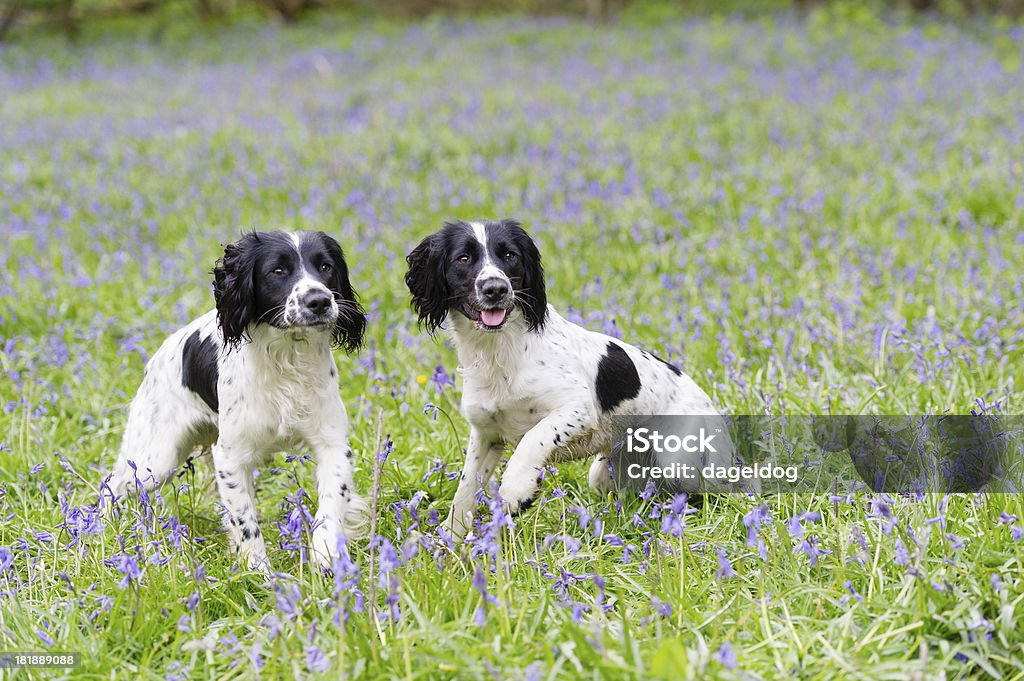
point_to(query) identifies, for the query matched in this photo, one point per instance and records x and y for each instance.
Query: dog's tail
(356, 523)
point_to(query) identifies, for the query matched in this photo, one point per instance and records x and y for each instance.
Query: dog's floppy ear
(427, 282)
(234, 289)
(531, 296)
(351, 322)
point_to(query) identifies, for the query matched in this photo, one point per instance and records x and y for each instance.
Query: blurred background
(71, 16)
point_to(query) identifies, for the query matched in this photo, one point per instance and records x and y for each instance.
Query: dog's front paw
(600, 475)
(258, 562)
(324, 547)
(518, 493)
(459, 521)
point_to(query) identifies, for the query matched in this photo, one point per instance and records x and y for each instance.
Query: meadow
(809, 217)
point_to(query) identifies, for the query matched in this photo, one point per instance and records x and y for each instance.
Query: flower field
(809, 217)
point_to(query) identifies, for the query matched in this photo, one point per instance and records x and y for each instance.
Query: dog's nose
(494, 290)
(317, 302)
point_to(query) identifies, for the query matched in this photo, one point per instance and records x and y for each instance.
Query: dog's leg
(519, 485)
(482, 455)
(159, 436)
(340, 511)
(600, 475)
(237, 493)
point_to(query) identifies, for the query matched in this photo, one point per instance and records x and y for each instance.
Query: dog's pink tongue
(492, 317)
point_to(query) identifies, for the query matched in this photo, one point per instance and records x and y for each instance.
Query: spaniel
(252, 377)
(532, 379)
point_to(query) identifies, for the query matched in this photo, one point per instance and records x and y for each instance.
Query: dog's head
(488, 272)
(288, 280)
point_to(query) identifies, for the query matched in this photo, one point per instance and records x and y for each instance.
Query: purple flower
(853, 592)
(44, 637)
(663, 609)
(442, 379)
(941, 517)
(347, 594)
(650, 489)
(956, 542)
(387, 563)
(178, 531)
(724, 570)
(80, 521)
(480, 584)
(386, 449)
(6, 558)
(902, 555)
(289, 599)
(316, 661)
(256, 655)
(534, 672)
(176, 672)
(810, 546)
(578, 610)
(582, 515)
(795, 524)
(753, 520)
(880, 508)
(673, 523)
(727, 656)
(129, 568)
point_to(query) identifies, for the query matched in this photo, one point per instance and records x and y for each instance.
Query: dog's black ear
(427, 283)
(531, 295)
(351, 323)
(234, 289)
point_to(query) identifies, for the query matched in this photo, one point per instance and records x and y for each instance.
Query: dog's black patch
(199, 368)
(617, 378)
(527, 504)
(672, 367)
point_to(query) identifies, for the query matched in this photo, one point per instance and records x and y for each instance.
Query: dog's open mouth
(488, 320)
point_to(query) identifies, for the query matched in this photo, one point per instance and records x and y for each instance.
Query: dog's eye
(509, 255)
(278, 271)
(464, 259)
(326, 267)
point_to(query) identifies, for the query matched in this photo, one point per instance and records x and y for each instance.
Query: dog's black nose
(494, 290)
(317, 302)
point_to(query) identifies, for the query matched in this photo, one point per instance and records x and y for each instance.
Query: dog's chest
(511, 422)
(277, 403)
(510, 406)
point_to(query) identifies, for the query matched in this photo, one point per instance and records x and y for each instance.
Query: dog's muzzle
(494, 301)
(315, 307)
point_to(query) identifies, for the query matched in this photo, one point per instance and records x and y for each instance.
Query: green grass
(809, 218)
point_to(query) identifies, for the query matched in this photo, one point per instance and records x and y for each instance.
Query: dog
(532, 379)
(251, 377)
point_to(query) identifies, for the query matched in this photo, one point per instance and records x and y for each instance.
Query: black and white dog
(531, 379)
(252, 377)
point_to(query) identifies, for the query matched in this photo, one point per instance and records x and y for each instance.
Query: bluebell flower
(727, 656)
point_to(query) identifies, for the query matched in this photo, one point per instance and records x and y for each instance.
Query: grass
(818, 217)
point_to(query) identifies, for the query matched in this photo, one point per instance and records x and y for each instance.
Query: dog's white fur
(277, 390)
(537, 391)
